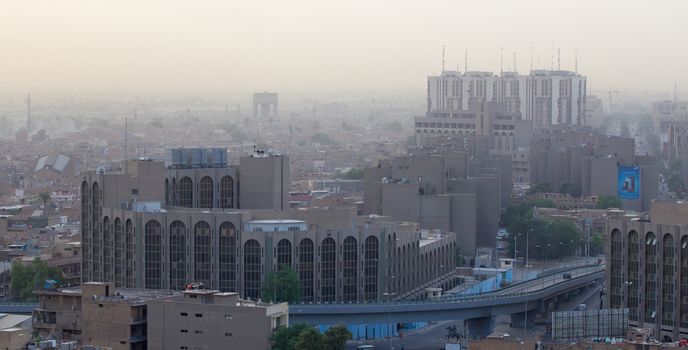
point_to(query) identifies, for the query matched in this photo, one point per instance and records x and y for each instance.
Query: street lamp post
(390, 329)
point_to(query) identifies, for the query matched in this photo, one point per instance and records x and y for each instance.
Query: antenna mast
(442, 58)
(501, 60)
(576, 59)
(126, 140)
(465, 62)
(28, 115)
(558, 58)
(531, 57)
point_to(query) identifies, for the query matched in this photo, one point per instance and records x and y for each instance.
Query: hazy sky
(323, 45)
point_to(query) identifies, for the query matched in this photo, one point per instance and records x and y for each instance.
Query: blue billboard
(629, 183)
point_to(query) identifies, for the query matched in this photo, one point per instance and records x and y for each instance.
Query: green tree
(46, 198)
(543, 203)
(541, 187)
(26, 278)
(597, 244)
(282, 286)
(284, 338)
(571, 189)
(309, 339)
(353, 174)
(336, 337)
(675, 184)
(607, 202)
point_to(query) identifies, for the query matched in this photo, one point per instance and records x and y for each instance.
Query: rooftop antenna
(28, 114)
(551, 57)
(442, 58)
(531, 57)
(675, 92)
(576, 59)
(465, 62)
(501, 60)
(126, 140)
(558, 58)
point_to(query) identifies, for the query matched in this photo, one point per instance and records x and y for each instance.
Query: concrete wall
(264, 182)
(206, 326)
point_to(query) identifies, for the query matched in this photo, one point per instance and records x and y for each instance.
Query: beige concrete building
(209, 319)
(590, 162)
(192, 225)
(647, 270)
(95, 314)
(442, 190)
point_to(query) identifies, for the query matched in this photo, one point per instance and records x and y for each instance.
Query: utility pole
(28, 114)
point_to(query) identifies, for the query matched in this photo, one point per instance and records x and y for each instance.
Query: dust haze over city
(305, 175)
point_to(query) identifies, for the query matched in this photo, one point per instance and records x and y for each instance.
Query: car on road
(366, 347)
(581, 307)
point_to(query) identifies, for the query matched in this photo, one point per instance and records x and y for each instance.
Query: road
(433, 336)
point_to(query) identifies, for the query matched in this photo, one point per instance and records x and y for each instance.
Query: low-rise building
(209, 319)
(95, 314)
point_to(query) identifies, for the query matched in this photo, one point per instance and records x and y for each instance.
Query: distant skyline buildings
(547, 97)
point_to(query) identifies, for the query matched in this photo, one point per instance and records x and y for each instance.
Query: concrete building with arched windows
(647, 269)
(162, 226)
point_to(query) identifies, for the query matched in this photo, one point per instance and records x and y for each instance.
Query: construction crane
(610, 93)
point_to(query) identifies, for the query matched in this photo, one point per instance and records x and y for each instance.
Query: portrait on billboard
(629, 183)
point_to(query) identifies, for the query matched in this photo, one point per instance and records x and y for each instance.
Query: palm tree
(45, 197)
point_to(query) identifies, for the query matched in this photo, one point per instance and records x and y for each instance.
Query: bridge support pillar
(517, 319)
(479, 328)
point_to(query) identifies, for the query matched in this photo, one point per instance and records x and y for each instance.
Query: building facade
(442, 190)
(209, 319)
(95, 314)
(589, 162)
(647, 268)
(152, 228)
(546, 97)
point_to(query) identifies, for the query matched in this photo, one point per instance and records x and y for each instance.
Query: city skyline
(308, 47)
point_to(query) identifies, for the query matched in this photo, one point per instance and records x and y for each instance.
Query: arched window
(252, 269)
(119, 253)
(227, 192)
(178, 255)
(650, 277)
(616, 269)
(130, 253)
(633, 285)
(173, 192)
(202, 253)
(227, 257)
(153, 255)
(185, 192)
(683, 320)
(306, 269)
(370, 264)
(205, 193)
(668, 263)
(97, 252)
(167, 192)
(349, 270)
(283, 254)
(86, 231)
(107, 250)
(328, 259)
